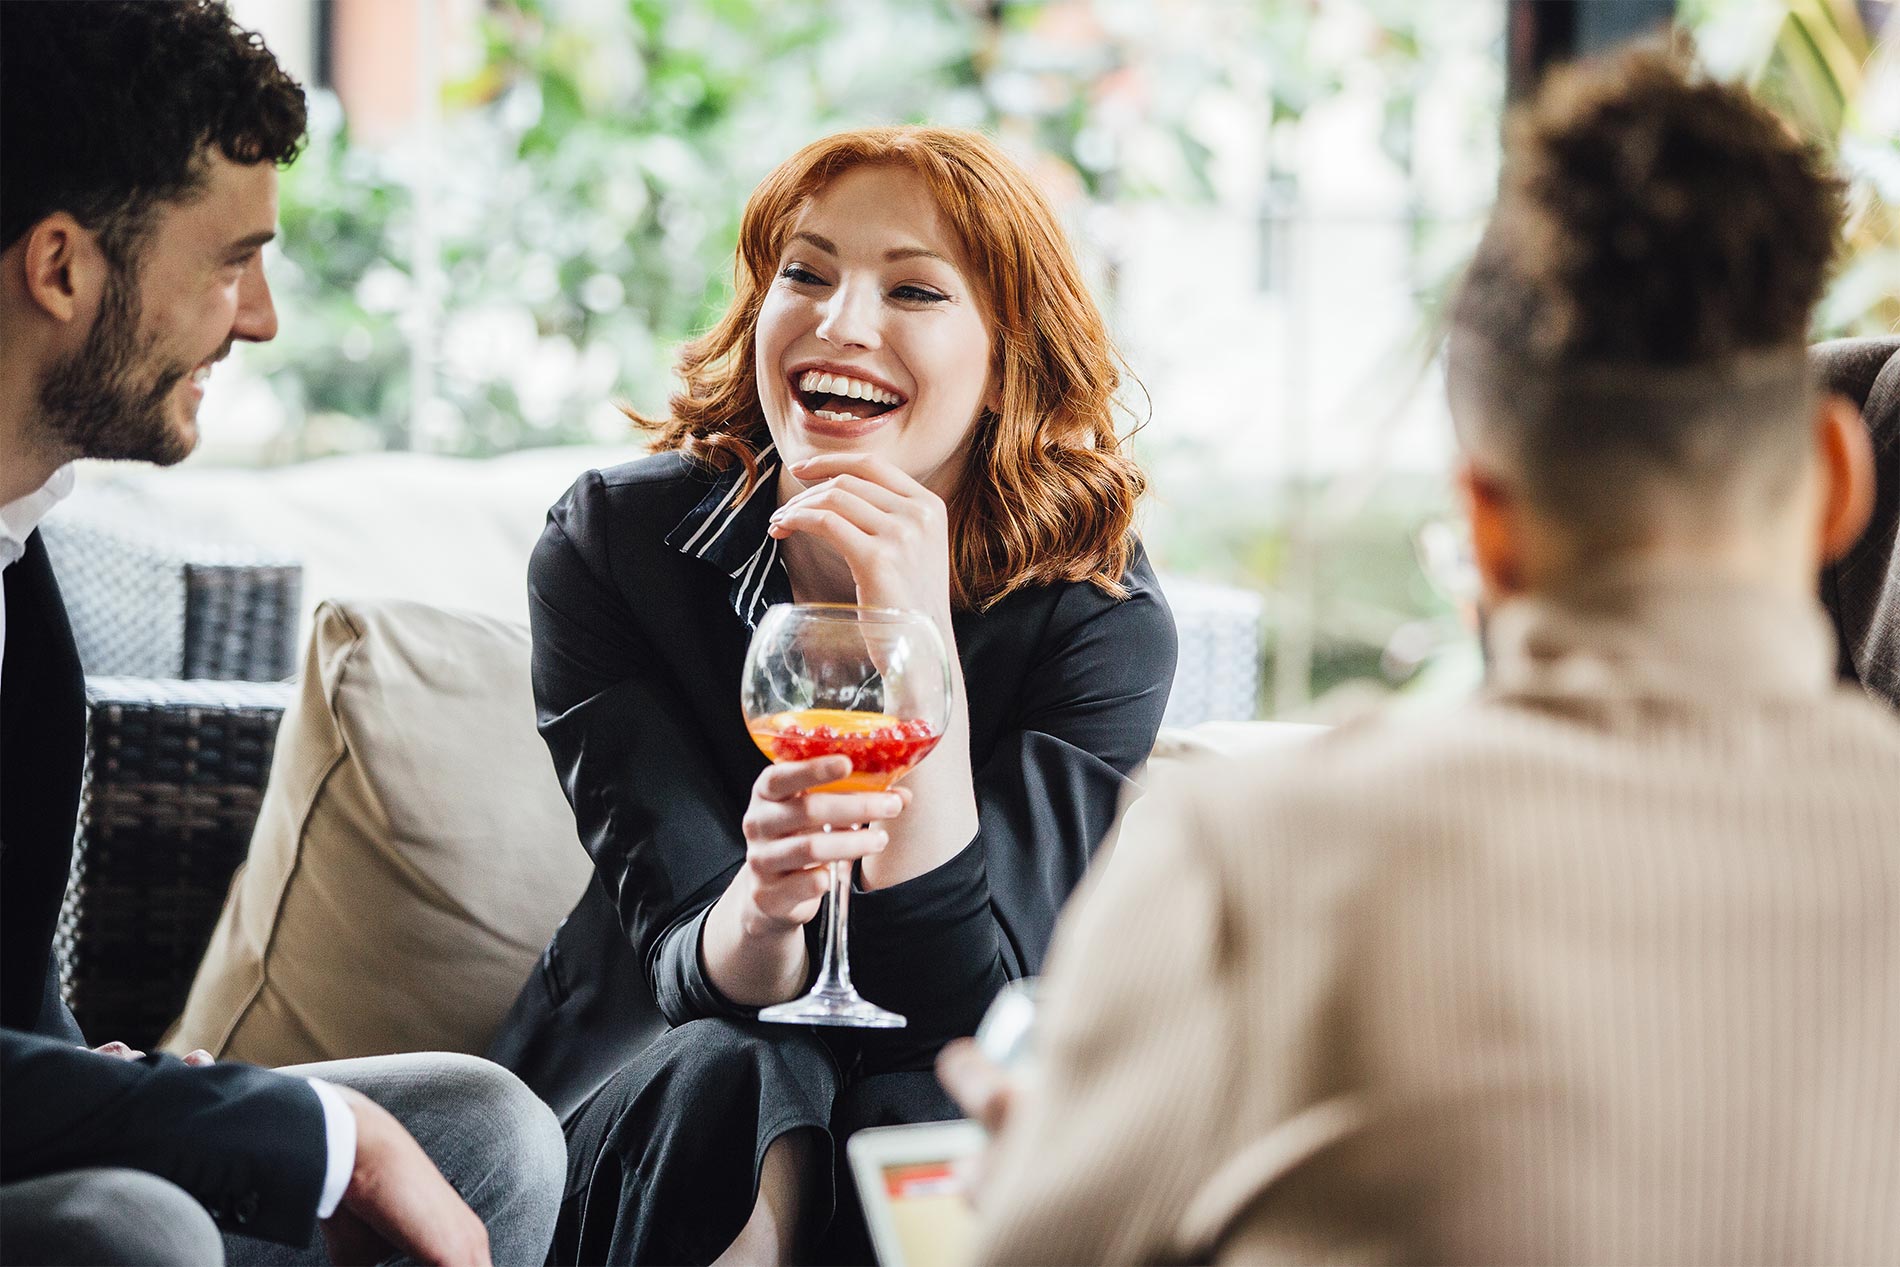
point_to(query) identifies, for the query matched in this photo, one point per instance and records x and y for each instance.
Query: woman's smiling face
(873, 337)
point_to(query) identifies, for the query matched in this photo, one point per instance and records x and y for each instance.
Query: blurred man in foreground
(1604, 965)
(139, 145)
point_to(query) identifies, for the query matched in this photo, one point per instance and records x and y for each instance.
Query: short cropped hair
(1632, 321)
(108, 108)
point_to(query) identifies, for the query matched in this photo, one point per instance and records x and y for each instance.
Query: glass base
(820, 1007)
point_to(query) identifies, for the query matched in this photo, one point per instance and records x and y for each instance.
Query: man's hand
(118, 1051)
(197, 1058)
(980, 1086)
(982, 1089)
(398, 1201)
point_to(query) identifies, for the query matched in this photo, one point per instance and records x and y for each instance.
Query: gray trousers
(494, 1141)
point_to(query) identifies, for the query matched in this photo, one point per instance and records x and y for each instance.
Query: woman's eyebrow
(894, 254)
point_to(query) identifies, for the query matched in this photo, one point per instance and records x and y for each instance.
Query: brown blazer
(1600, 967)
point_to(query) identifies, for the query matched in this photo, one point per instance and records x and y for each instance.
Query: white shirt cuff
(339, 1133)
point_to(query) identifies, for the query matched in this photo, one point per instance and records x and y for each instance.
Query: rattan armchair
(175, 773)
(182, 642)
(144, 603)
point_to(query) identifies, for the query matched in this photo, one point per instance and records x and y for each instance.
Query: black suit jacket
(42, 751)
(247, 1143)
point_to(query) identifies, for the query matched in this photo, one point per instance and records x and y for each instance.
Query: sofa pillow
(1177, 747)
(412, 856)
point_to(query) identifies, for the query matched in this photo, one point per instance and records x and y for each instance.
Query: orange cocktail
(882, 748)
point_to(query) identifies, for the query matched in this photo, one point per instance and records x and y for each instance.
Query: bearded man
(139, 147)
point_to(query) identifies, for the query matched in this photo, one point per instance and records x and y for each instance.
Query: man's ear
(1845, 454)
(64, 269)
(1497, 539)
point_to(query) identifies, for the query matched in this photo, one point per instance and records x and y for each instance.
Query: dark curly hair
(1650, 215)
(110, 107)
(1628, 339)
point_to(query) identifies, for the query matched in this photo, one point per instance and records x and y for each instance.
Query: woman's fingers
(802, 853)
(792, 900)
(867, 466)
(867, 491)
(867, 517)
(825, 523)
(787, 779)
(771, 820)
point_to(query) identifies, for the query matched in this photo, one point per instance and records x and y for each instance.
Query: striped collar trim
(729, 532)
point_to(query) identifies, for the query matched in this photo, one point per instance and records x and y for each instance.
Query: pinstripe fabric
(1600, 967)
(730, 531)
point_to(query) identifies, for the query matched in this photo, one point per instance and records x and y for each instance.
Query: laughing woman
(907, 405)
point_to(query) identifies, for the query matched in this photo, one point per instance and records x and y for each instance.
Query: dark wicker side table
(175, 772)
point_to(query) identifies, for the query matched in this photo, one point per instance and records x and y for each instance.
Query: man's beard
(92, 404)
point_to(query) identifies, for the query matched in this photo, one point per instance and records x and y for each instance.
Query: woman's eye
(919, 294)
(799, 273)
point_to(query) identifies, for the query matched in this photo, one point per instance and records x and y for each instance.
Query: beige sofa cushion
(412, 856)
(1175, 747)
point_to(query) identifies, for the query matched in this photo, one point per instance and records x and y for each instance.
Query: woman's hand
(893, 534)
(787, 846)
(890, 530)
(753, 944)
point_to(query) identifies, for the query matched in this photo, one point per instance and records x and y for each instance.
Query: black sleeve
(249, 1144)
(939, 945)
(632, 762)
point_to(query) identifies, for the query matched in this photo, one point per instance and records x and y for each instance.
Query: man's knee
(108, 1217)
(483, 1126)
(524, 1128)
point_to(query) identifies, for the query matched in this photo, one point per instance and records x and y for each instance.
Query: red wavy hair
(1047, 493)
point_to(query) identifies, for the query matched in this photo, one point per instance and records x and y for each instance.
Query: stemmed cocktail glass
(869, 683)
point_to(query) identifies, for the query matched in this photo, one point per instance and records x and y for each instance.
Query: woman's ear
(1845, 456)
(1497, 537)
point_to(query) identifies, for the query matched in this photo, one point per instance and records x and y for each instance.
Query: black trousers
(663, 1161)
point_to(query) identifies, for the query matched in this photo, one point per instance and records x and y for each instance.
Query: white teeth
(200, 374)
(839, 385)
(829, 416)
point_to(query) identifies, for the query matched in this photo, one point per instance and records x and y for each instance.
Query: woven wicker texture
(175, 772)
(143, 606)
(1220, 628)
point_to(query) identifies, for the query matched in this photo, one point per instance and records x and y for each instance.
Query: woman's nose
(850, 318)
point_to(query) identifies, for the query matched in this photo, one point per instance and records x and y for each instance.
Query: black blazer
(248, 1144)
(42, 752)
(637, 659)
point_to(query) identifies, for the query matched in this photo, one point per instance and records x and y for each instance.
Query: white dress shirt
(339, 1132)
(18, 519)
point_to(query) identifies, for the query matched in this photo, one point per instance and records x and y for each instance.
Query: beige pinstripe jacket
(1601, 967)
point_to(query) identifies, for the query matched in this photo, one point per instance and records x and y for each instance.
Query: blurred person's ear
(1845, 454)
(63, 268)
(1498, 539)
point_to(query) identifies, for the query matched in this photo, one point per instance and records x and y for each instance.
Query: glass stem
(834, 971)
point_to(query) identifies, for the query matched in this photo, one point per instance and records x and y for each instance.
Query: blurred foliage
(569, 219)
(1832, 68)
(579, 199)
